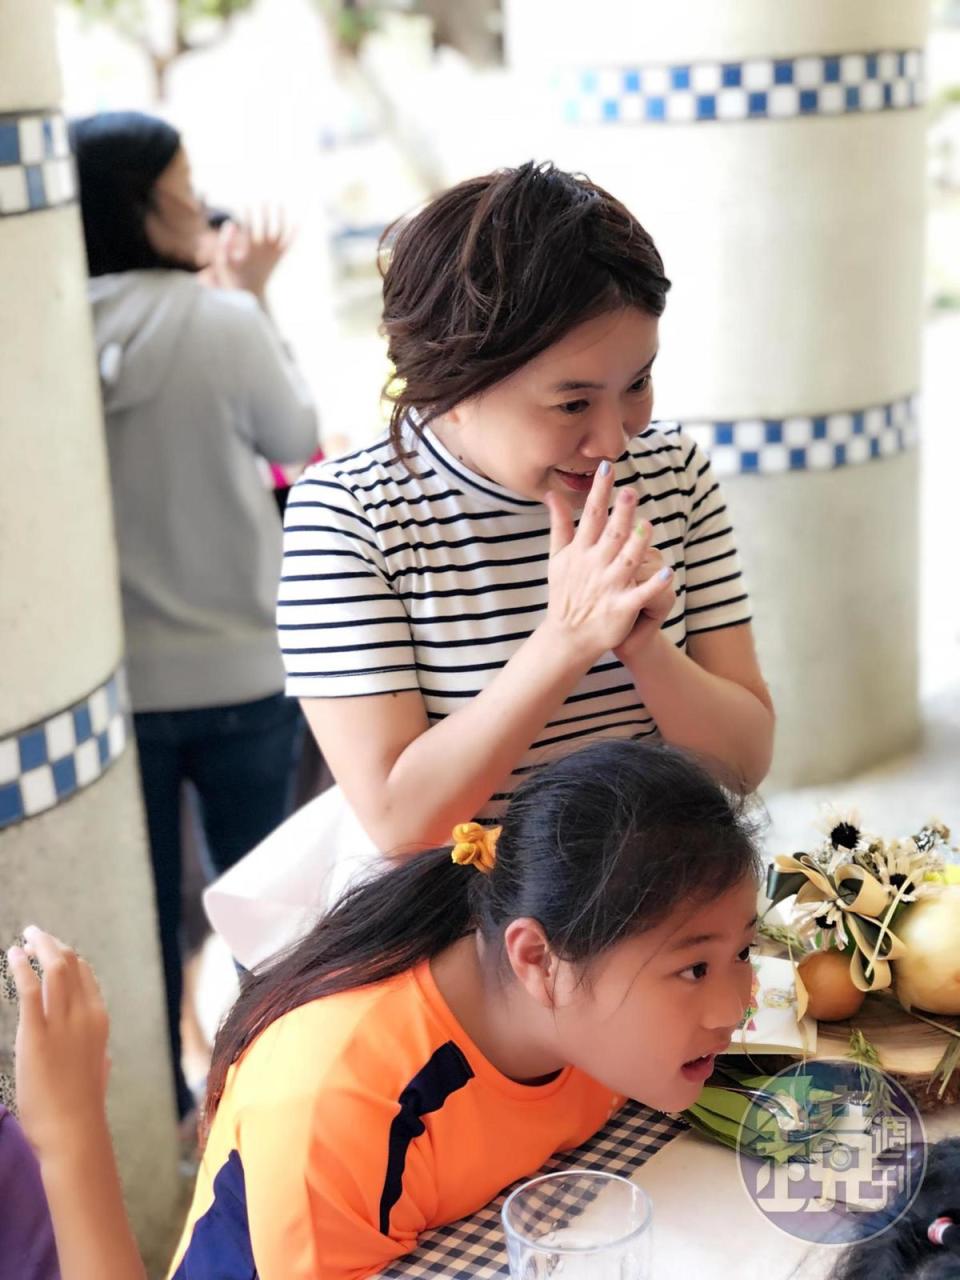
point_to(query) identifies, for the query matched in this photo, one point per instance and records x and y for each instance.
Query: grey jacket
(195, 386)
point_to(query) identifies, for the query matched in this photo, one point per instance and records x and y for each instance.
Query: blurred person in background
(197, 389)
(225, 241)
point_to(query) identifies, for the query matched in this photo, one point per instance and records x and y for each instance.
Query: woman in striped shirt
(523, 562)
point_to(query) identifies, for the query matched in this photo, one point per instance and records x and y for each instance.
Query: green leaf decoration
(783, 884)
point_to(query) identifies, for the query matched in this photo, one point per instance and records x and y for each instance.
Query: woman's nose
(608, 435)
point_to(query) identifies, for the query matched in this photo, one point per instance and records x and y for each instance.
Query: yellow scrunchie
(475, 846)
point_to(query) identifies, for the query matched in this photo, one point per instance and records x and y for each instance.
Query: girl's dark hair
(902, 1251)
(497, 269)
(602, 844)
(120, 155)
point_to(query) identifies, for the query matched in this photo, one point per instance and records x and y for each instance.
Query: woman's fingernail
(665, 574)
(604, 468)
(641, 528)
(29, 929)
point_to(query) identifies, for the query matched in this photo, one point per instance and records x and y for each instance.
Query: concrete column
(73, 854)
(776, 153)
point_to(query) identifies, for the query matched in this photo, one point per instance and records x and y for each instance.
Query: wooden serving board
(909, 1050)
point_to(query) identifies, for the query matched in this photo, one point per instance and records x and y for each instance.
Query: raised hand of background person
(247, 253)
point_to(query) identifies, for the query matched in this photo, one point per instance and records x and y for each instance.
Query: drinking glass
(578, 1225)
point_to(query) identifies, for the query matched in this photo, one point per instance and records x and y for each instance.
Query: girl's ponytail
(377, 930)
(596, 846)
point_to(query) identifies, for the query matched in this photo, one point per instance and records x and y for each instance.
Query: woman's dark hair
(600, 845)
(497, 269)
(902, 1250)
(120, 155)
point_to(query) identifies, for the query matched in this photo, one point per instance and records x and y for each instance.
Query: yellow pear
(928, 976)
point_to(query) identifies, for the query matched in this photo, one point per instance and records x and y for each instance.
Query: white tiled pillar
(776, 154)
(73, 854)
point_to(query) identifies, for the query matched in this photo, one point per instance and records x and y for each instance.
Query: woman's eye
(573, 406)
(641, 384)
(696, 972)
(746, 953)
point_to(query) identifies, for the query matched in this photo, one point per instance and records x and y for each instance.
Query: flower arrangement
(890, 907)
(874, 937)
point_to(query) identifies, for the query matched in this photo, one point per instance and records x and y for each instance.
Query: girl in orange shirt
(445, 1029)
(451, 1024)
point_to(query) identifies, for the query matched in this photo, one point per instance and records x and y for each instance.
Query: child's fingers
(90, 991)
(88, 981)
(59, 965)
(28, 989)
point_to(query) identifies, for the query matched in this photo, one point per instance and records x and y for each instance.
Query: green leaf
(783, 884)
(734, 1106)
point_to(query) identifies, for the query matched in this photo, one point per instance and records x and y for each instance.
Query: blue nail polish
(665, 574)
(604, 468)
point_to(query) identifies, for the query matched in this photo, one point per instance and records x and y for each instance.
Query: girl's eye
(697, 972)
(573, 406)
(745, 954)
(641, 384)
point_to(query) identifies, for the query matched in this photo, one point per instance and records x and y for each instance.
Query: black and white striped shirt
(430, 579)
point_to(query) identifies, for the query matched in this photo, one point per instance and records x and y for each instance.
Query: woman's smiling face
(548, 426)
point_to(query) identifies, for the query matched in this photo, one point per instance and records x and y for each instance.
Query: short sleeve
(343, 630)
(315, 1190)
(715, 595)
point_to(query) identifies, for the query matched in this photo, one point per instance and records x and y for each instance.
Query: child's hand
(61, 1045)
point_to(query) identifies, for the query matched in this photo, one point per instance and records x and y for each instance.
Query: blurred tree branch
(165, 29)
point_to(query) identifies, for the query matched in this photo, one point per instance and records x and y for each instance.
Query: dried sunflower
(842, 827)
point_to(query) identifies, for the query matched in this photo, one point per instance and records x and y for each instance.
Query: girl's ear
(533, 963)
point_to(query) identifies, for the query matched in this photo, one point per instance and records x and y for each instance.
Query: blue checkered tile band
(36, 168)
(755, 89)
(819, 442)
(474, 1249)
(44, 765)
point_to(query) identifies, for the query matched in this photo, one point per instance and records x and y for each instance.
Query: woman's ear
(533, 963)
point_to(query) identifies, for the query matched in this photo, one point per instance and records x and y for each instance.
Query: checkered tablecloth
(475, 1246)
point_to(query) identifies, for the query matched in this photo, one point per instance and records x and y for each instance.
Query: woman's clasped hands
(609, 585)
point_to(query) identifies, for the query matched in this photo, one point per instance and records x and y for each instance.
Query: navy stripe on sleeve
(445, 1073)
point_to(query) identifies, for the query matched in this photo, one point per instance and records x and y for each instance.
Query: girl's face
(550, 425)
(648, 1017)
(176, 220)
